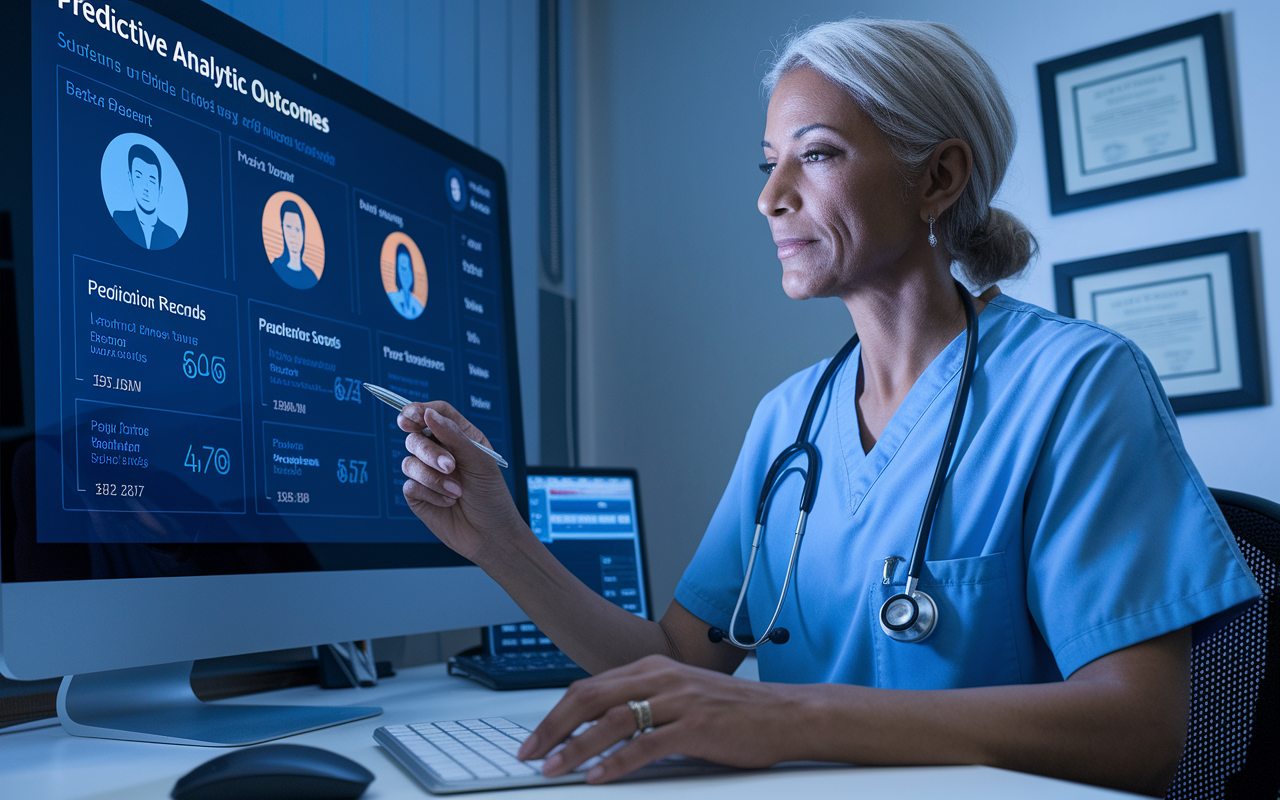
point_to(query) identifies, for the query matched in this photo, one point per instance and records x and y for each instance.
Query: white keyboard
(474, 755)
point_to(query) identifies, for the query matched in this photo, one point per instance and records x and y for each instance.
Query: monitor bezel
(57, 627)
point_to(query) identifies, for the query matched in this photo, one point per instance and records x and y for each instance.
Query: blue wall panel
(387, 37)
(424, 59)
(493, 103)
(459, 43)
(347, 39)
(266, 16)
(302, 25)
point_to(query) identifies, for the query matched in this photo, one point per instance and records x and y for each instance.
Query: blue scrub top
(1072, 524)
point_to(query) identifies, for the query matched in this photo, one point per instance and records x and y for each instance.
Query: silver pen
(398, 403)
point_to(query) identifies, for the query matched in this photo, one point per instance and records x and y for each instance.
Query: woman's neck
(902, 327)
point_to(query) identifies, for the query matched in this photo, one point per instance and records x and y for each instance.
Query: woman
(288, 265)
(1073, 547)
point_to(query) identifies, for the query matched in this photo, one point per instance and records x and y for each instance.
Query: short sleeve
(1123, 541)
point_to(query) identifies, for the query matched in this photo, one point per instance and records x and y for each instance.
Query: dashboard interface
(223, 255)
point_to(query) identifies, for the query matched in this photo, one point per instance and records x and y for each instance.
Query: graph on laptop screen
(591, 523)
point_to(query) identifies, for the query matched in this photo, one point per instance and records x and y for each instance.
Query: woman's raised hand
(452, 486)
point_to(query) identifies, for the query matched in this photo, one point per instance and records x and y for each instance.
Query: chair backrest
(1233, 737)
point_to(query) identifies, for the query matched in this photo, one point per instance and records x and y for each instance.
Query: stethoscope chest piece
(910, 616)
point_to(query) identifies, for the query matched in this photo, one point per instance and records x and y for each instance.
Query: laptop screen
(590, 520)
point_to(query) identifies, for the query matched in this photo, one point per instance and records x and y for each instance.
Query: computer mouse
(275, 772)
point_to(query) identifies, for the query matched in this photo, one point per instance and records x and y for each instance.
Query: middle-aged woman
(1074, 544)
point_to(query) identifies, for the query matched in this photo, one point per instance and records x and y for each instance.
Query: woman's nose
(779, 195)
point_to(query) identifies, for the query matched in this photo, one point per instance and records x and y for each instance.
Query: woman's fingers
(644, 749)
(464, 425)
(416, 491)
(456, 439)
(618, 723)
(418, 472)
(590, 698)
(430, 451)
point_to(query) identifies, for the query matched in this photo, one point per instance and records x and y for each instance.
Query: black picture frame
(1221, 120)
(1247, 344)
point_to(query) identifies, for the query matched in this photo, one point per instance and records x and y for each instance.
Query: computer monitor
(226, 240)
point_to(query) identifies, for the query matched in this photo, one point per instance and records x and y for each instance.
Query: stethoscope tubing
(939, 481)
(803, 445)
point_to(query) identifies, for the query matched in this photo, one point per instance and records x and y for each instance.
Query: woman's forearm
(1119, 721)
(595, 633)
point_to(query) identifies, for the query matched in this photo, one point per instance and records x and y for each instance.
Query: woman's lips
(790, 247)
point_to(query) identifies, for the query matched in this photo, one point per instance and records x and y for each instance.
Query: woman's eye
(767, 168)
(815, 156)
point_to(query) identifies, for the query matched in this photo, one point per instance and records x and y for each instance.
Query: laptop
(589, 518)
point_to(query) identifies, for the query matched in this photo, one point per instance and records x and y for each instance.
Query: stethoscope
(906, 617)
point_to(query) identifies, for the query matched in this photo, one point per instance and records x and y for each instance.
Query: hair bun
(999, 248)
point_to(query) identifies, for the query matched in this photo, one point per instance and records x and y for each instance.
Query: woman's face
(291, 227)
(837, 203)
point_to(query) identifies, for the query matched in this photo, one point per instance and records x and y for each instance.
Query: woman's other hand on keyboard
(697, 713)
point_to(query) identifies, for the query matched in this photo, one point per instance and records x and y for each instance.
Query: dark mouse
(275, 772)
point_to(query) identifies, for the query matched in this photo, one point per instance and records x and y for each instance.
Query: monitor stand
(156, 704)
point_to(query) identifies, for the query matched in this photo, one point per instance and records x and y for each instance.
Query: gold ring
(644, 716)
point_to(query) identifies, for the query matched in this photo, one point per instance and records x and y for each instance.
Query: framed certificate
(1144, 115)
(1189, 306)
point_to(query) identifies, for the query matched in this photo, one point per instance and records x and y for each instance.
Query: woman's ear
(945, 177)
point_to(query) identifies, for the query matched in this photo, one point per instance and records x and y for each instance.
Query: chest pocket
(973, 643)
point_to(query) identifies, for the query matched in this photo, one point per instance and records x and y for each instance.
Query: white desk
(47, 763)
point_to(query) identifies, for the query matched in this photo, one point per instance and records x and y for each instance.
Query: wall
(467, 66)
(684, 324)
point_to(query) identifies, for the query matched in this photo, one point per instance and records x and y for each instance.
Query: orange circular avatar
(404, 275)
(293, 240)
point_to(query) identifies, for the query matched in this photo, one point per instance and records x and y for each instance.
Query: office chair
(1233, 736)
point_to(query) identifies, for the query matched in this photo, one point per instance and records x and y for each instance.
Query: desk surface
(48, 763)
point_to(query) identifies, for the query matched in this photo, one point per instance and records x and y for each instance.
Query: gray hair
(921, 83)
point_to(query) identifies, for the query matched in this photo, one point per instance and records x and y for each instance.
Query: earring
(933, 240)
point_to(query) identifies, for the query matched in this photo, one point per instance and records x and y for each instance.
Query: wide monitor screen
(229, 241)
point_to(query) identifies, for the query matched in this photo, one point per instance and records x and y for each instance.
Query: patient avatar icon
(404, 275)
(455, 189)
(144, 191)
(292, 238)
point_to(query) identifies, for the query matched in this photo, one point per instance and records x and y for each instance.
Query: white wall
(683, 322)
